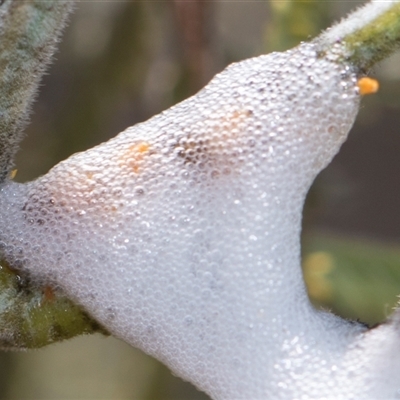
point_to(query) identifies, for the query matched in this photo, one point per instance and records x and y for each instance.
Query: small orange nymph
(367, 85)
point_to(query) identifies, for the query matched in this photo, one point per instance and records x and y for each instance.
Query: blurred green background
(122, 62)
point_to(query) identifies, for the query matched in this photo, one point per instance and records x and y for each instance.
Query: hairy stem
(366, 36)
(29, 31)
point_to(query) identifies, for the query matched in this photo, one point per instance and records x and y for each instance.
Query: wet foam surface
(181, 235)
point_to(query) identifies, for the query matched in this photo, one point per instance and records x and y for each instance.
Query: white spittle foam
(181, 235)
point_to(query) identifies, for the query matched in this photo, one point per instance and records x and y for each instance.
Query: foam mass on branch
(181, 235)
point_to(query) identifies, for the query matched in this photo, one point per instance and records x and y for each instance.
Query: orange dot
(367, 85)
(13, 173)
(142, 147)
(134, 155)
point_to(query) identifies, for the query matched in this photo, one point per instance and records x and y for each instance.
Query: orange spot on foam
(367, 85)
(142, 147)
(134, 155)
(234, 118)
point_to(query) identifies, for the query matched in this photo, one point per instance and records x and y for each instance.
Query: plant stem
(29, 31)
(32, 316)
(366, 36)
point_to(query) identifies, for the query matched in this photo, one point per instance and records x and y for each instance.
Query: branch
(29, 31)
(366, 36)
(32, 317)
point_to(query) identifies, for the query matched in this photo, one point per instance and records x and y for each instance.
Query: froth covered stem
(366, 36)
(29, 30)
(32, 316)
